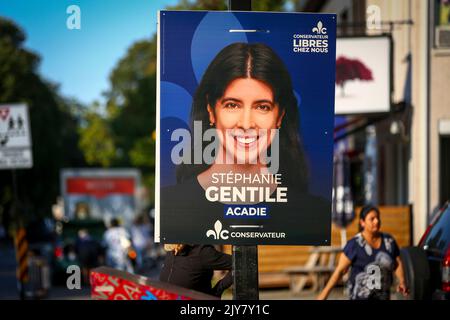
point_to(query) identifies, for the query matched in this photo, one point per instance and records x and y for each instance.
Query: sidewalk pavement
(286, 294)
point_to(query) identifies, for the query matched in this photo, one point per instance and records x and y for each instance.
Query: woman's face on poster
(245, 117)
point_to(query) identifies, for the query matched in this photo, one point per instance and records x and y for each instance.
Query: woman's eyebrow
(264, 101)
(227, 99)
(230, 99)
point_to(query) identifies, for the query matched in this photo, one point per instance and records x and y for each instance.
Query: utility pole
(245, 258)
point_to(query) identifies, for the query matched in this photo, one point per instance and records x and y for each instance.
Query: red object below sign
(100, 187)
(112, 284)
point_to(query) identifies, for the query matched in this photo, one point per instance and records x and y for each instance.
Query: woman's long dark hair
(259, 62)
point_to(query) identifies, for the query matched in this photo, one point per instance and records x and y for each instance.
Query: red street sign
(100, 187)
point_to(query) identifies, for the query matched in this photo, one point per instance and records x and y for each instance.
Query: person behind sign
(141, 238)
(88, 251)
(117, 242)
(192, 266)
(373, 257)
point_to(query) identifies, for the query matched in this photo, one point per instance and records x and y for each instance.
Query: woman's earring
(211, 124)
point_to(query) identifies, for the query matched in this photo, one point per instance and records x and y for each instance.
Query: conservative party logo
(218, 233)
(320, 29)
(317, 42)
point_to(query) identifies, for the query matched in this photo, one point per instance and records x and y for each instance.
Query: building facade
(413, 165)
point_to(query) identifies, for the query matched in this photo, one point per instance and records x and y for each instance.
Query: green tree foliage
(96, 140)
(53, 127)
(123, 135)
(132, 103)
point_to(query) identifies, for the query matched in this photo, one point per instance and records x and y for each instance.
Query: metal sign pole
(240, 5)
(20, 242)
(245, 273)
(16, 153)
(245, 258)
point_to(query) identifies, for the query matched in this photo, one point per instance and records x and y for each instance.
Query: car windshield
(438, 239)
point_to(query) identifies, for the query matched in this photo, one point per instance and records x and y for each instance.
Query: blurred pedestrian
(157, 252)
(117, 242)
(88, 251)
(373, 257)
(192, 267)
(140, 237)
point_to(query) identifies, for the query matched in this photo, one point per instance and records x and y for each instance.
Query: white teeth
(245, 140)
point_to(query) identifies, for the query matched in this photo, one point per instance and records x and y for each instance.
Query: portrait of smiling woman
(247, 90)
(246, 97)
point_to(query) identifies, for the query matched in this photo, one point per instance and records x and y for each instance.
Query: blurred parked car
(427, 266)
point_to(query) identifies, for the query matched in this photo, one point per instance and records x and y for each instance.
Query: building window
(343, 21)
(442, 24)
(443, 13)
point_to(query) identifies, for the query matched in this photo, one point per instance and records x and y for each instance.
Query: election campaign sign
(245, 127)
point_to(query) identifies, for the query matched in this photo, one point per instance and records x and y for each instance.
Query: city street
(8, 289)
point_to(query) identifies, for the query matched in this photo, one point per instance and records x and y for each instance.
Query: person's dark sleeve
(395, 248)
(77, 246)
(215, 260)
(350, 249)
(222, 285)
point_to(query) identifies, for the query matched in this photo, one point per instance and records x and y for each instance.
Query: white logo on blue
(320, 29)
(218, 233)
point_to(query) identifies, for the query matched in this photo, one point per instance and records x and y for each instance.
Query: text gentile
(246, 188)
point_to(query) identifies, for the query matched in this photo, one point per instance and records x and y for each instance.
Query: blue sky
(81, 60)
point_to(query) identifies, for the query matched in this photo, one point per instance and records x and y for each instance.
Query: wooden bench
(318, 275)
(318, 269)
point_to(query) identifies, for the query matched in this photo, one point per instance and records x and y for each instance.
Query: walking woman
(373, 257)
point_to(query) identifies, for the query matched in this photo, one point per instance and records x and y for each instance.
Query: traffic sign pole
(240, 5)
(16, 153)
(20, 242)
(21, 245)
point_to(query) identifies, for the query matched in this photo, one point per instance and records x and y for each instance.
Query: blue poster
(245, 127)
